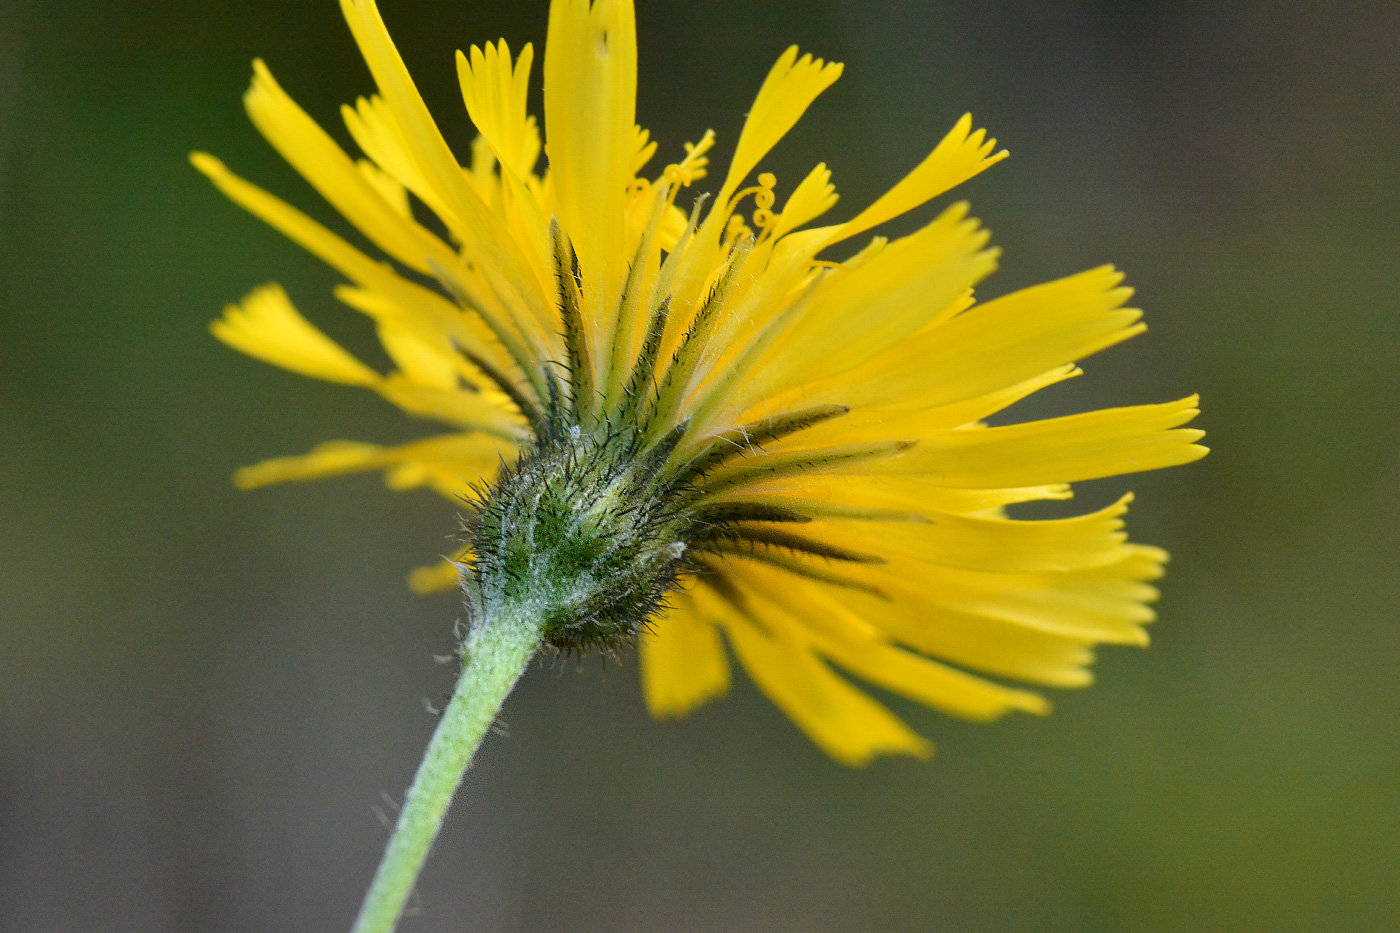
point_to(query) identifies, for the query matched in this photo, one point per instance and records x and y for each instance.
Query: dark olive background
(205, 696)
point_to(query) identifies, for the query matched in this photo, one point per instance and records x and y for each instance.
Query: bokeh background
(207, 697)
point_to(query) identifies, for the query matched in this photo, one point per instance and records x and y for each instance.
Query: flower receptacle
(576, 535)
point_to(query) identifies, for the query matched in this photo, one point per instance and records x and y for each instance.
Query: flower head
(692, 424)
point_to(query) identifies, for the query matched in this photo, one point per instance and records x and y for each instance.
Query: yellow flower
(737, 437)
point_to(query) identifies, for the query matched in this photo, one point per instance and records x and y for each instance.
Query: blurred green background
(205, 696)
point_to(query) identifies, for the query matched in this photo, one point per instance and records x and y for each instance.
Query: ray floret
(693, 422)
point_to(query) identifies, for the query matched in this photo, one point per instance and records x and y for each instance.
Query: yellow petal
(814, 196)
(333, 458)
(978, 543)
(590, 98)
(452, 465)
(483, 168)
(802, 608)
(424, 363)
(643, 148)
(959, 156)
(910, 494)
(841, 719)
(450, 482)
(791, 86)
(876, 413)
(418, 135)
(1100, 604)
(754, 316)
(448, 463)
(326, 166)
(372, 127)
(428, 308)
(936, 685)
(389, 187)
(984, 643)
(445, 575)
(495, 95)
(1000, 343)
(267, 327)
(994, 544)
(1056, 450)
(292, 223)
(683, 664)
(1037, 628)
(860, 314)
(431, 319)
(970, 411)
(491, 248)
(486, 410)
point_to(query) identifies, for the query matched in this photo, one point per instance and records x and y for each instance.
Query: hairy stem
(498, 650)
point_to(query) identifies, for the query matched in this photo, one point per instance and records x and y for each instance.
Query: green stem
(498, 650)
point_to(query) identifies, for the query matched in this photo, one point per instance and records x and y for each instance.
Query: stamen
(735, 230)
(764, 218)
(740, 195)
(693, 167)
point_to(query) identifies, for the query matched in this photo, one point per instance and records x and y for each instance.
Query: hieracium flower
(686, 421)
